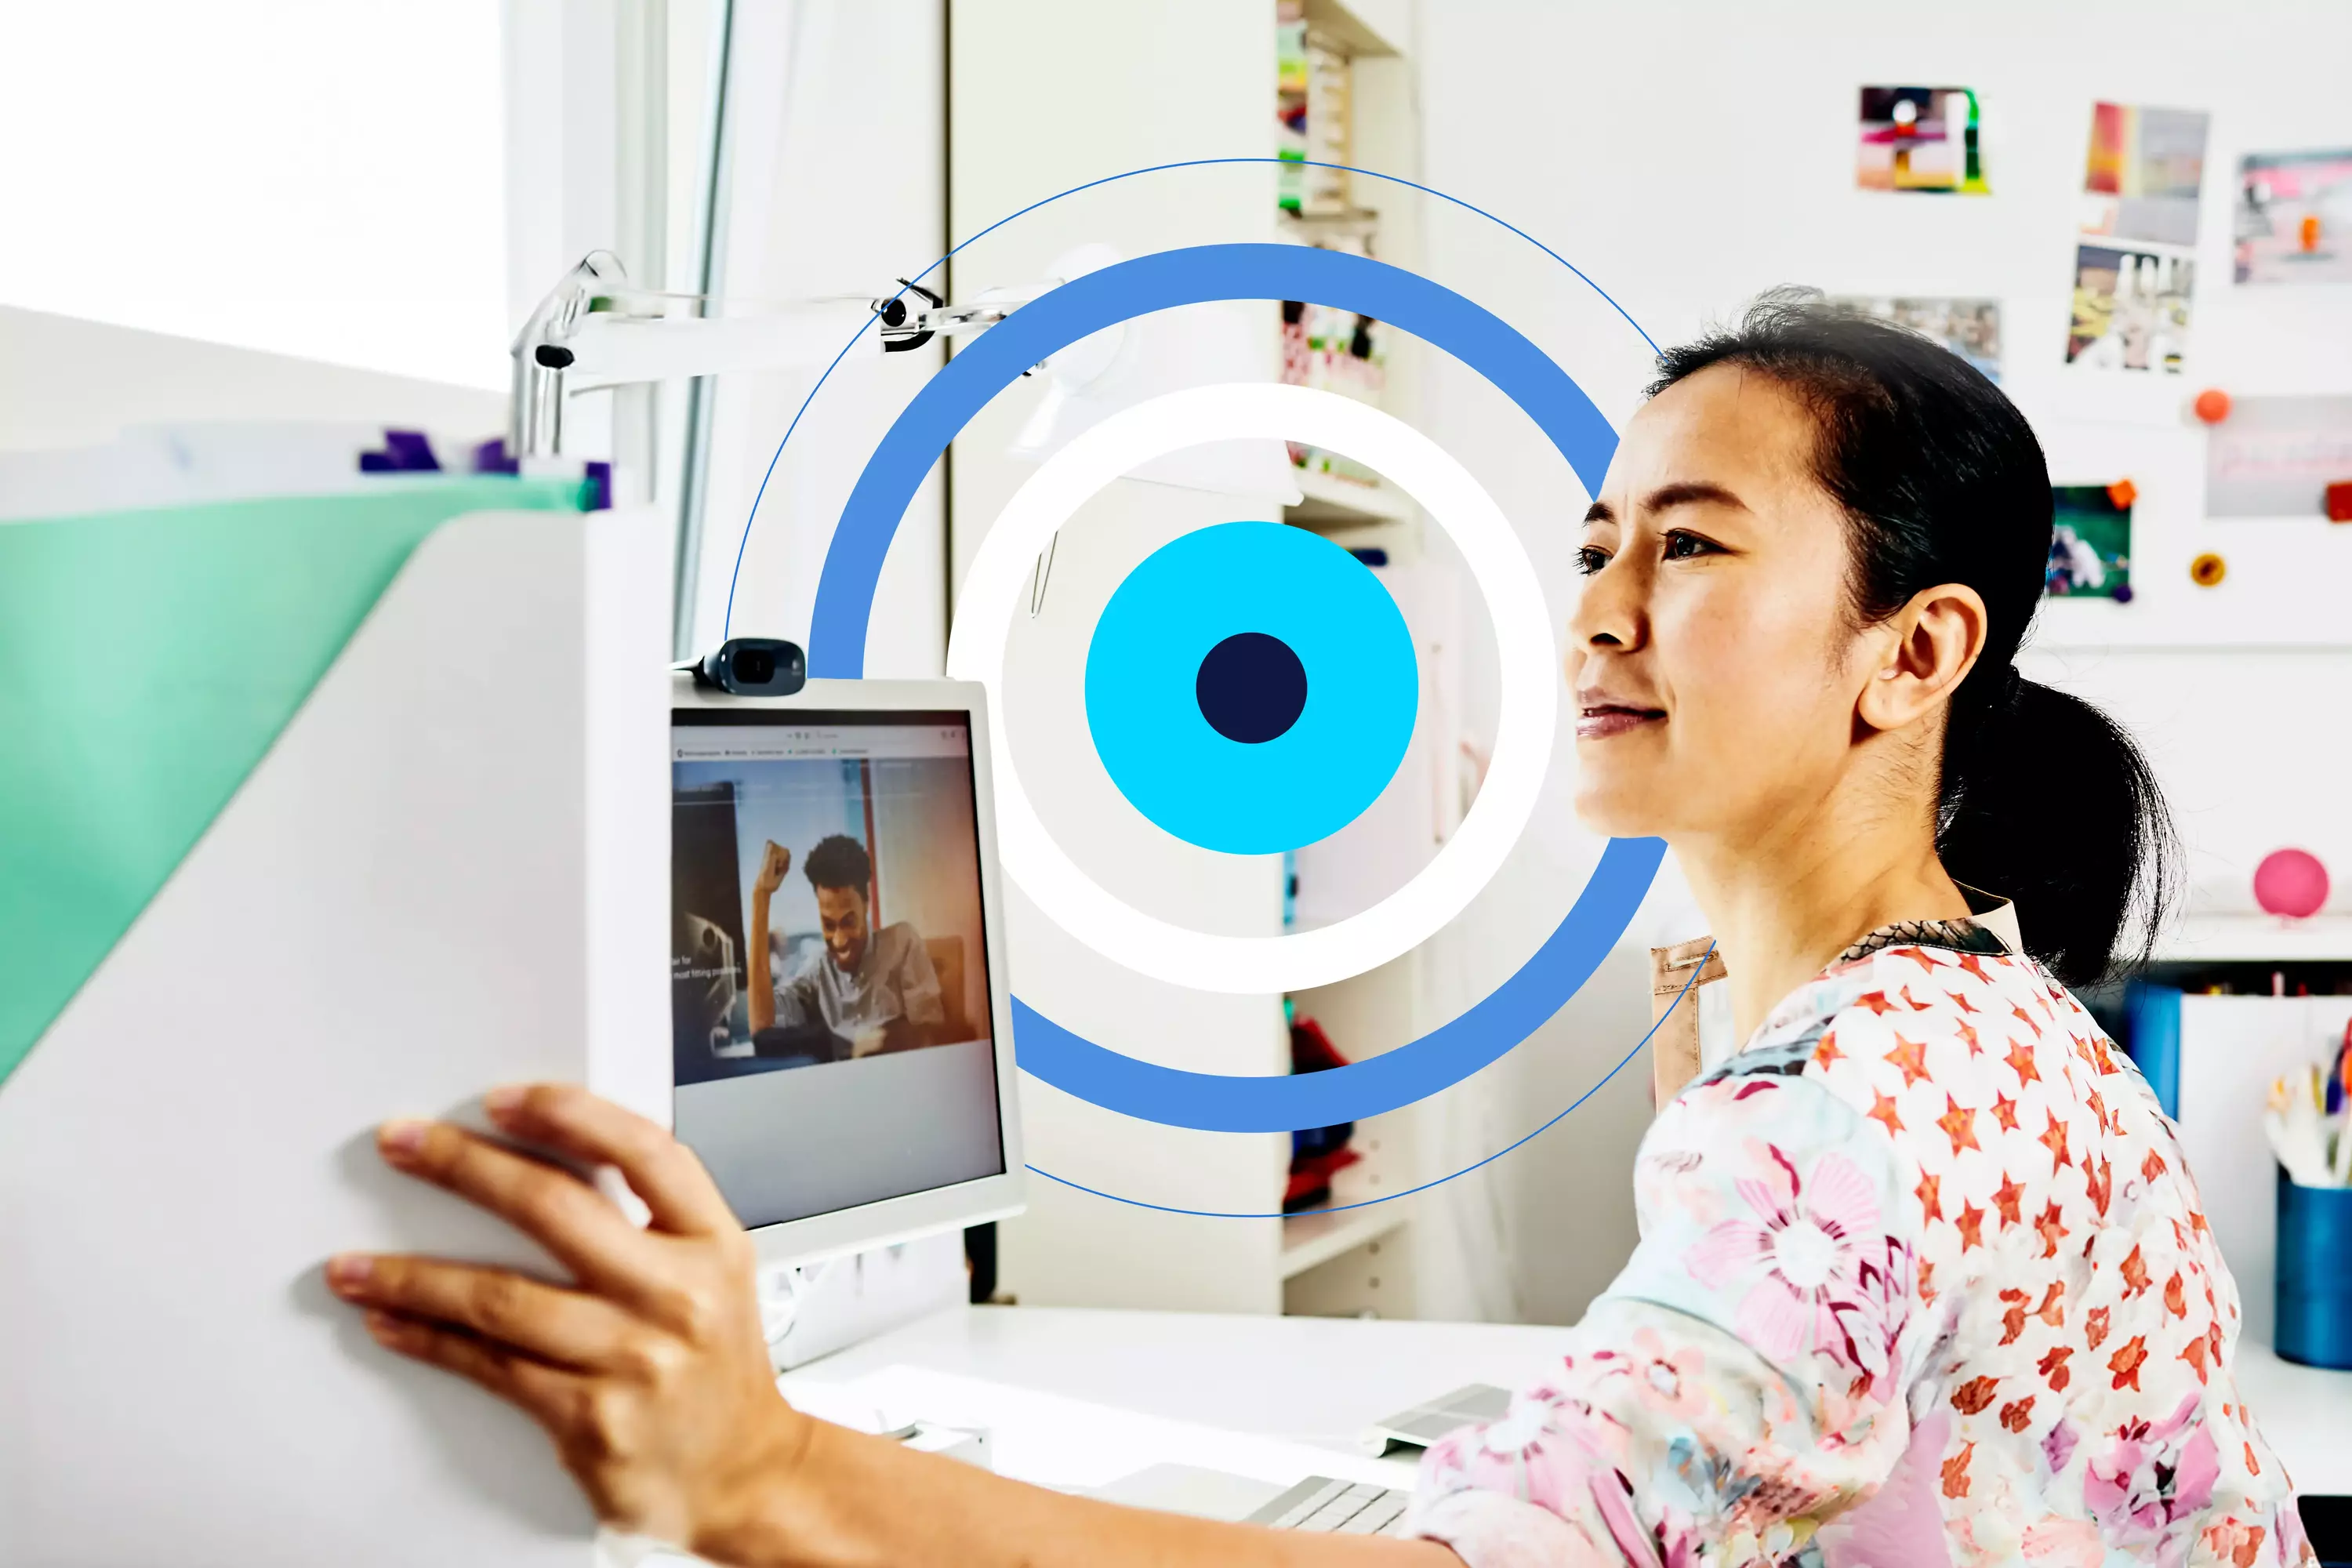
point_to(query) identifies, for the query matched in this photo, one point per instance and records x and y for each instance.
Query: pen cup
(2315, 1275)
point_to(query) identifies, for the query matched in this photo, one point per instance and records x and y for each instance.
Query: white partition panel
(450, 871)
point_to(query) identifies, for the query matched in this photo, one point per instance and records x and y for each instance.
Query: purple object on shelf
(490, 457)
(405, 452)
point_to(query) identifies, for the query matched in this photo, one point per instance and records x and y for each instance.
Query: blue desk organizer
(2315, 1275)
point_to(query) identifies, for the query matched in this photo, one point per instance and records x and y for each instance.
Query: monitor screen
(829, 987)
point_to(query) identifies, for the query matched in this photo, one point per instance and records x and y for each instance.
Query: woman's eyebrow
(1689, 492)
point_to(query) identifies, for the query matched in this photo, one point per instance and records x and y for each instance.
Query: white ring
(1256, 965)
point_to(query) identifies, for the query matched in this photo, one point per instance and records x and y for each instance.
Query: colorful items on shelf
(1317, 1154)
(1290, 103)
(1312, 89)
(2290, 882)
(1333, 350)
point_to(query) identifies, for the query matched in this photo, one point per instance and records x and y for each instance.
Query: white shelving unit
(1049, 94)
(1329, 500)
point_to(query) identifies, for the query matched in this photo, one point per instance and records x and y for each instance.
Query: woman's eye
(1590, 560)
(1681, 546)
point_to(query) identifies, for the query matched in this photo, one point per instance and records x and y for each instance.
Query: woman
(1922, 1277)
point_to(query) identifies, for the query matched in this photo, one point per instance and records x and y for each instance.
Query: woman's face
(1714, 660)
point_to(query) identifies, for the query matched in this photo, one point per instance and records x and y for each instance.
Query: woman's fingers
(542, 1392)
(659, 1169)
(573, 1221)
(549, 1322)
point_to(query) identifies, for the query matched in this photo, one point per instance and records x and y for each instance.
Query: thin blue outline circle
(1651, 850)
(1197, 275)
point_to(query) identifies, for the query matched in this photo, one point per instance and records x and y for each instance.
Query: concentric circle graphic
(1251, 688)
(1195, 276)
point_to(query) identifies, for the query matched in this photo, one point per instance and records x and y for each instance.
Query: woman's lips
(1603, 720)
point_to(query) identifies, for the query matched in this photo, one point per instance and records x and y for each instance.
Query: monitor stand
(813, 1309)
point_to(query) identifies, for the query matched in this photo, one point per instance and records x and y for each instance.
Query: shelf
(2257, 938)
(1343, 29)
(1309, 1239)
(1329, 501)
(1352, 223)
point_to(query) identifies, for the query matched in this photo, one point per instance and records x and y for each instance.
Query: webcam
(753, 667)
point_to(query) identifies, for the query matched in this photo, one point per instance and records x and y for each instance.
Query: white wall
(324, 179)
(1688, 155)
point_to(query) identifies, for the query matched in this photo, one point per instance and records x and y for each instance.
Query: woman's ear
(1932, 642)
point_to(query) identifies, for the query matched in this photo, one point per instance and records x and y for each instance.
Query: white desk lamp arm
(596, 330)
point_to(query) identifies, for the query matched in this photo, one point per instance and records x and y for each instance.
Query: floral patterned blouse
(1922, 1281)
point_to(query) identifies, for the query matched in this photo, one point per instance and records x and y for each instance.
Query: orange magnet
(2208, 570)
(2310, 235)
(2212, 405)
(2123, 492)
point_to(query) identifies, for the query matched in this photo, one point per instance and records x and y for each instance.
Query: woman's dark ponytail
(2047, 802)
(2043, 800)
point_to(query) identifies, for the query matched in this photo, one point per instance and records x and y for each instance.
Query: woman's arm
(651, 1374)
(1742, 1382)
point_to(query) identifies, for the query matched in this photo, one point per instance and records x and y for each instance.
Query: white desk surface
(1284, 1397)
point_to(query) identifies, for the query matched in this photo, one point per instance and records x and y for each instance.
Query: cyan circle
(1143, 665)
(1199, 275)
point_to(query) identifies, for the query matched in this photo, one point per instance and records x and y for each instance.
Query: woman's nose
(1609, 614)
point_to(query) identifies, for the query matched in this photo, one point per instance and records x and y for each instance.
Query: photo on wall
(2293, 222)
(2131, 310)
(1919, 138)
(1969, 328)
(2276, 456)
(2144, 172)
(2090, 544)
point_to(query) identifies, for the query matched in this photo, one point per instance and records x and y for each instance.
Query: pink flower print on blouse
(2155, 1475)
(1522, 1454)
(1805, 1245)
(1669, 1380)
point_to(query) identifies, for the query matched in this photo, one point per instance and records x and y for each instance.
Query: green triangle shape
(148, 661)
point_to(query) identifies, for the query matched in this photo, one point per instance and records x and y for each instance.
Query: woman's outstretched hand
(650, 1372)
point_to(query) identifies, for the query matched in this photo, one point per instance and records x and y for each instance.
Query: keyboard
(1325, 1506)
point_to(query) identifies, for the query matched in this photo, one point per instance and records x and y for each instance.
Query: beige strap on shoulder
(1674, 1048)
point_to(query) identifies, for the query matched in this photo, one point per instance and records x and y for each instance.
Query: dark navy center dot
(1252, 689)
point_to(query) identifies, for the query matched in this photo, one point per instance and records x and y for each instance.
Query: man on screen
(873, 991)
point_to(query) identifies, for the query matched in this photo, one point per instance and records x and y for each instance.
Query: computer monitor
(841, 1028)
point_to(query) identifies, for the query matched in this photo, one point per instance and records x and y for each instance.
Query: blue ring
(1201, 275)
